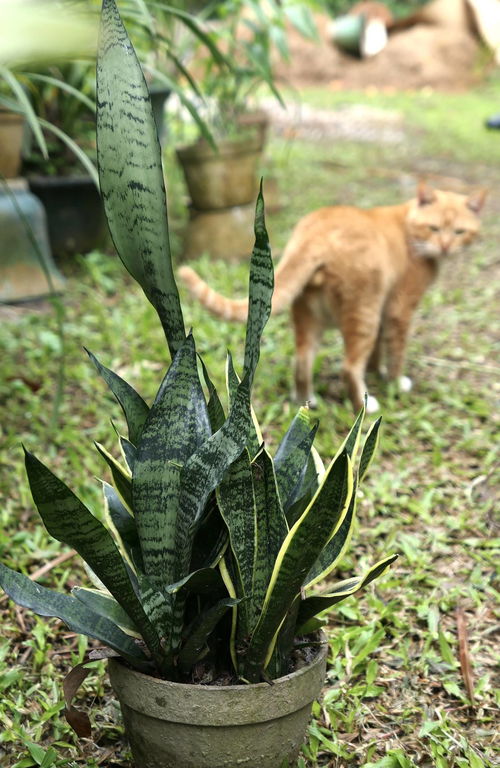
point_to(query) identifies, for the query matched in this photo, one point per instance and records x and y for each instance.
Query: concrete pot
(225, 177)
(176, 725)
(27, 270)
(75, 213)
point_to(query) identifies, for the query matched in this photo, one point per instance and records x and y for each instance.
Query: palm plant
(211, 549)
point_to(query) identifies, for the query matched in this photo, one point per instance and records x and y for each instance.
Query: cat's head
(441, 223)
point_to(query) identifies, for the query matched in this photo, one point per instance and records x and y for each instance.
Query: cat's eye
(459, 231)
(433, 228)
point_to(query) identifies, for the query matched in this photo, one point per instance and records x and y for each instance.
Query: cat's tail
(229, 309)
(292, 274)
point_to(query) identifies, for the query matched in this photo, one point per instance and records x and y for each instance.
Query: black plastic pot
(75, 213)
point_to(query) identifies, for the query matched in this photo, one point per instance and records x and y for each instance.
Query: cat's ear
(476, 199)
(425, 193)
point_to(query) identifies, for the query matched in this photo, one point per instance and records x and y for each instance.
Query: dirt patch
(422, 56)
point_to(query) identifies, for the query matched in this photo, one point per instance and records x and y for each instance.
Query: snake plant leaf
(334, 551)
(128, 452)
(199, 634)
(298, 553)
(205, 581)
(104, 605)
(210, 540)
(177, 425)
(351, 442)
(204, 470)
(132, 404)
(77, 616)
(215, 410)
(68, 520)
(315, 604)
(123, 523)
(131, 174)
(292, 457)
(122, 479)
(271, 528)
(255, 438)
(236, 501)
(311, 481)
(158, 607)
(260, 290)
(369, 448)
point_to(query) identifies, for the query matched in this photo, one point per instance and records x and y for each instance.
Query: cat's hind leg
(308, 332)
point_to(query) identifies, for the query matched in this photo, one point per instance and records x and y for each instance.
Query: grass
(395, 695)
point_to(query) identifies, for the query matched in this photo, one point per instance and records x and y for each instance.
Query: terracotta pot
(11, 140)
(225, 177)
(176, 725)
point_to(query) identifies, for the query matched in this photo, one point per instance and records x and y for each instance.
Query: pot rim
(218, 705)
(322, 644)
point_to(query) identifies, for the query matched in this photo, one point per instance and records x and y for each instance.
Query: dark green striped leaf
(131, 174)
(260, 290)
(311, 481)
(236, 501)
(200, 633)
(333, 552)
(176, 427)
(128, 452)
(351, 443)
(68, 520)
(104, 605)
(203, 472)
(215, 410)
(298, 553)
(255, 438)
(321, 602)
(205, 581)
(133, 406)
(369, 448)
(77, 616)
(271, 528)
(121, 521)
(158, 607)
(291, 459)
(122, 479)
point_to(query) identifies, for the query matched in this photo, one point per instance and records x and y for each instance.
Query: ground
(396, 693)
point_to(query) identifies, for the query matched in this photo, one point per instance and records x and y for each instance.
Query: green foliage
(197, 523)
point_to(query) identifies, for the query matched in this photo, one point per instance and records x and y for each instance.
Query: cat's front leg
(396, 337)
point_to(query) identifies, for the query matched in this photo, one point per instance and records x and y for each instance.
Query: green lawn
(395, 694)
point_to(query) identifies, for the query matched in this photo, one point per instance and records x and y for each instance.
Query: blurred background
(332, 102)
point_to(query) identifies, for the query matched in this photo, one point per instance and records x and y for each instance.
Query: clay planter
(11, 140)
(225, 177)
(176, 725)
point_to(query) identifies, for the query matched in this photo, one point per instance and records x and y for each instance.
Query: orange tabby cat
(363, 271)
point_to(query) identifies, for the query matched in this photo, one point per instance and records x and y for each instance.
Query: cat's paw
(372, 405)
(405, 384)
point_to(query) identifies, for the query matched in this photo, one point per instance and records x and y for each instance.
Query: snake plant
(211, 548)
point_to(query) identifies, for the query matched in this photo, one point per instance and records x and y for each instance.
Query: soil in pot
(177, 725)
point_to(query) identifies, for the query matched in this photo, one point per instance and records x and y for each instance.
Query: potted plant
(206, 570)
(227, 175)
